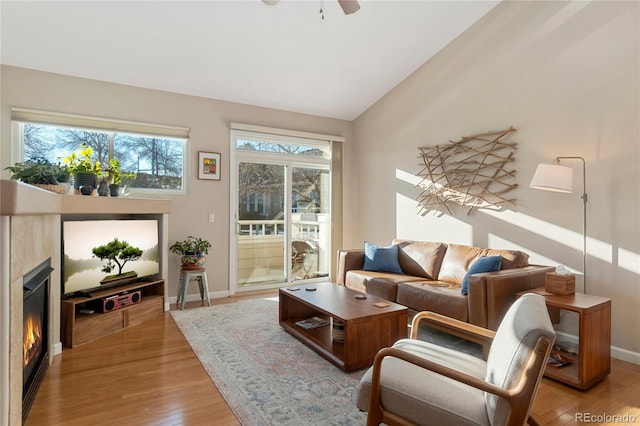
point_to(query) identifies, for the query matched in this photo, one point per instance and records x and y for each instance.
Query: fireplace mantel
(22, 199)
(30, 233)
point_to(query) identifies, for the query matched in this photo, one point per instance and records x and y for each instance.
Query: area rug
(268, 377)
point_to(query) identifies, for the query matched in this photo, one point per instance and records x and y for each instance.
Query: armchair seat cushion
(406, 388)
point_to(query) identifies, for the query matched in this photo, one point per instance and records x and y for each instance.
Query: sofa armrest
(348, 260)
(492, 293)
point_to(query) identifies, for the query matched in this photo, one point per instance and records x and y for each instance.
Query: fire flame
(32, 345)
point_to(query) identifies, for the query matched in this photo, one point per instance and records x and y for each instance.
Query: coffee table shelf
(367, 328)
(319, 339)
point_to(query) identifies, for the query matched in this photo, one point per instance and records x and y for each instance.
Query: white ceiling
(284, 56)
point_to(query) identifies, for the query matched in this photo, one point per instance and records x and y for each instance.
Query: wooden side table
(592, 363)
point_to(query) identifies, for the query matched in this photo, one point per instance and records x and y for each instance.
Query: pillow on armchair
(483, 264)
(381, 259)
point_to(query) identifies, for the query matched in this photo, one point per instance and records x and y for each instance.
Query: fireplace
(35, 341)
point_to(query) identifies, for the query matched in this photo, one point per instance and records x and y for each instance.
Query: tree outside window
(153, 162)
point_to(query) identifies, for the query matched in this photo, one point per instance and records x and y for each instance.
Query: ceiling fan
(348, 6)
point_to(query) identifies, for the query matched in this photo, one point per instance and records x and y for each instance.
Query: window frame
(21, 116)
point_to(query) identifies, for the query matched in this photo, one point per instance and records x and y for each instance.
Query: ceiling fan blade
(349, 6)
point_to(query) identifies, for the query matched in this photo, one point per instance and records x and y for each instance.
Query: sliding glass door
(281, 212)
(310, 222)
(261, 224)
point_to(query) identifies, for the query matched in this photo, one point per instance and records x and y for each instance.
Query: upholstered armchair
(416, 382)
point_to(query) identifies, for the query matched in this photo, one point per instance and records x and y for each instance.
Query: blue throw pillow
(484, 264)
(381, 259)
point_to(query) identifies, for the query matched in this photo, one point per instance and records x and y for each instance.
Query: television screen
(101, 253)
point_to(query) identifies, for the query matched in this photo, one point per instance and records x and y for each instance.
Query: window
(310, 149)
(151, 161)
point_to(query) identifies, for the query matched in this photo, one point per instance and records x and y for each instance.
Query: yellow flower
(80, 161)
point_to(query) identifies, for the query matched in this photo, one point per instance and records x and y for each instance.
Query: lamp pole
(584, 217)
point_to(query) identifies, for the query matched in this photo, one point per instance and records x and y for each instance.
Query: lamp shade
(553, 177)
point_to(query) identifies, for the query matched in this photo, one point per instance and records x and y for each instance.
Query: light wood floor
(148, 375)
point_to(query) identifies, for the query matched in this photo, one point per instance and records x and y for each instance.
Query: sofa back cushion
(420, 258)
(459, 258)
(510, 258)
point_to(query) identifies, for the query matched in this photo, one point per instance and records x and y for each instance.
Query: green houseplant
(81, 166)
(40, 172)
(192, 250)
(116, 175)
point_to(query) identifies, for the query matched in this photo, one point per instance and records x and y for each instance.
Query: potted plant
(115, 177)
(40, 172)
(82, 167)
(192, 251)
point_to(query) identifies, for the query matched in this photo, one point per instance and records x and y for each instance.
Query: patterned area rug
(268, 377)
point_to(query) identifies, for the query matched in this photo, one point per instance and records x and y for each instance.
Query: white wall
(566, 75)
(209, 123)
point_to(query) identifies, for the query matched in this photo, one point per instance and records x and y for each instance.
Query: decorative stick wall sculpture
(471, 172)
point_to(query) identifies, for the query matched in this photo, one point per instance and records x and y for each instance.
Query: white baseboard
(616, 352)
(625, 355)
(195, 297)
(57, 348)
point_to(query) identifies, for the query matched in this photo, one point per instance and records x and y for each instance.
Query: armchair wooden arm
(470, 332)
(500, 390)
(515, 397)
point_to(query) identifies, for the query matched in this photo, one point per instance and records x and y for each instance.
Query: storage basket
(560, 284)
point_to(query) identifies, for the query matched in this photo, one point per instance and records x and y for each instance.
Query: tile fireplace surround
(30, 233)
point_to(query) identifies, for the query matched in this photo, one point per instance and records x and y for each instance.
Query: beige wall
(566, 76)
(209, 123)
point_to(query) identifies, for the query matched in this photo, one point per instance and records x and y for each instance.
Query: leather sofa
(432, 277)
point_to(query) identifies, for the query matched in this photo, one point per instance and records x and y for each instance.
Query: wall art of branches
(474, 172)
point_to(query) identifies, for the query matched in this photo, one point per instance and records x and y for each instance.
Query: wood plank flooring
(148, 375)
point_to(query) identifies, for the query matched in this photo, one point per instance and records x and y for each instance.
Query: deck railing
(261, 253)
(301, 229)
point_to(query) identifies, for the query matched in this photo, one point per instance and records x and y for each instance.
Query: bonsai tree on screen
(118, 253)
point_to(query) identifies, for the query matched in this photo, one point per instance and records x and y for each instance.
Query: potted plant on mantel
(192, 251)
(115, 177)
(38, 171)
(84, 170)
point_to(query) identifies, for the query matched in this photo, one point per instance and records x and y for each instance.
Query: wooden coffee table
(367, 328)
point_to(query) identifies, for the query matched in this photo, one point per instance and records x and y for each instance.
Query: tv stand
(77, 294)
(77, 328)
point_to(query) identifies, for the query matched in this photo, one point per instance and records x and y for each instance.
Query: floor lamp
(554, 177)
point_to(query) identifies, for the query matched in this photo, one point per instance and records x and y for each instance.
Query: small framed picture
(209, 165)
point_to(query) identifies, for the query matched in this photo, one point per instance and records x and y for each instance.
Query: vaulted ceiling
(285, 56)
